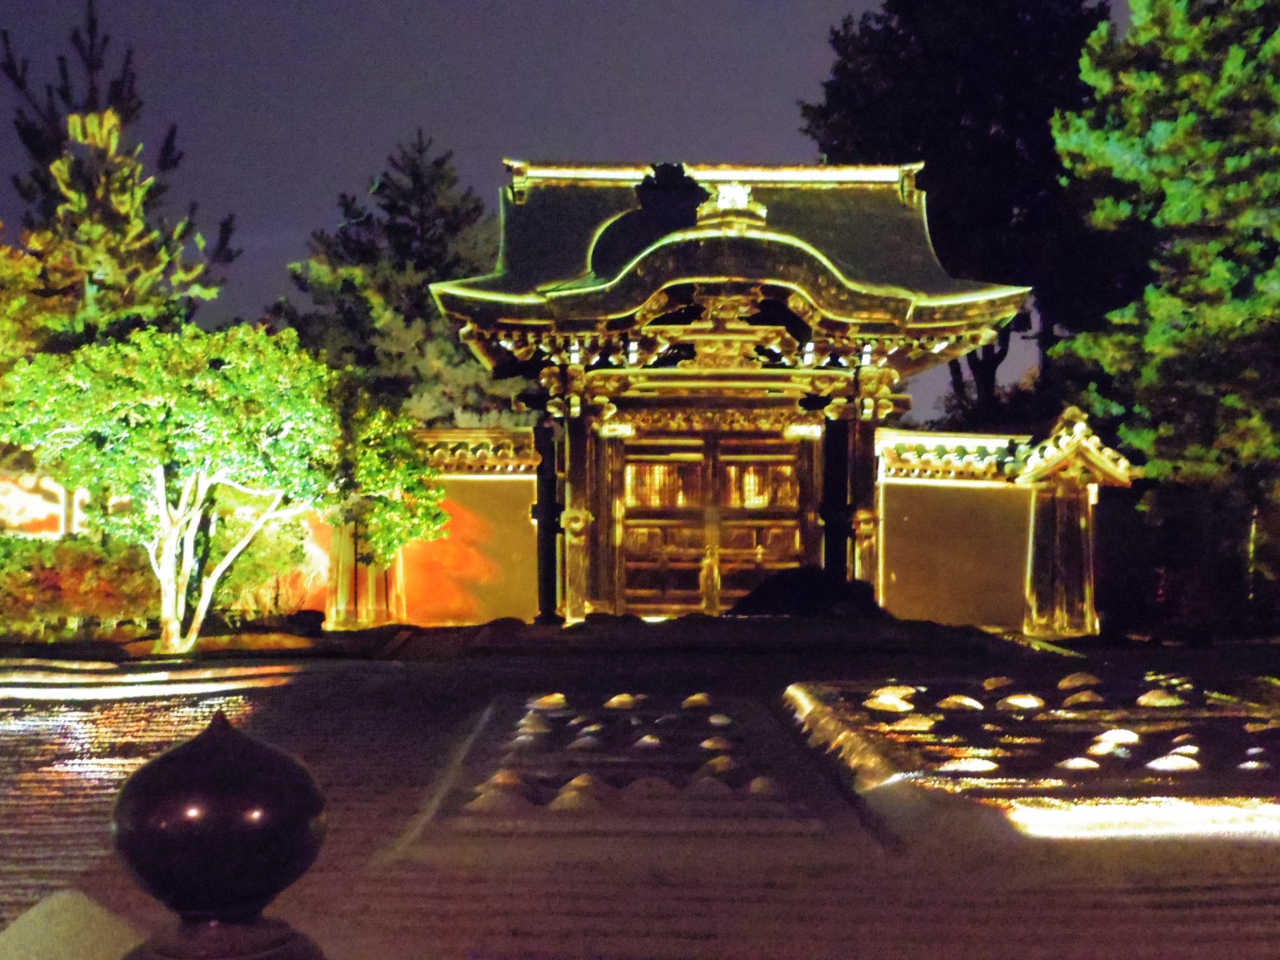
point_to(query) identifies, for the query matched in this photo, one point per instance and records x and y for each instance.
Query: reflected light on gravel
(35, 685)
(1243, 818)
(60, 767)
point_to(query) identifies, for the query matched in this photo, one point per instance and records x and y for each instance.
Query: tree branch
(211, 578)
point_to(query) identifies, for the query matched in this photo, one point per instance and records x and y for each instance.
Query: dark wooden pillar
(546, 513)
(862, 498)
(834, 508)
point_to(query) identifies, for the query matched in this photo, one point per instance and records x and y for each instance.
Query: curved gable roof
(868, 223)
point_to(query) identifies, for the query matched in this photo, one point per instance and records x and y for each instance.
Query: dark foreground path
(918, 876)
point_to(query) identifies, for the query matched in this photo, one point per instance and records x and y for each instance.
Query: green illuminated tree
(98, 269)
(27, 312)
(84, 86)
(176, 433)
(970, 87)
(369, 280)
(1184, 136)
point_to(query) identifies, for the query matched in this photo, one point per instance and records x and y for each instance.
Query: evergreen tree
(97, 270)
(1184, 137)
(969, 87)
(369, 280)
(42, 116)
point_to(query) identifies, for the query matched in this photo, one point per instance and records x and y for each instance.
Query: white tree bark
(173, 552)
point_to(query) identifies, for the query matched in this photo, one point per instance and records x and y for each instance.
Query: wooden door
(703, 519)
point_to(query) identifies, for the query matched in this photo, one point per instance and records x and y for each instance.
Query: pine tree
(42, 116)
(970, 87)
(369, 281)
(97, 270)
(1185, 137)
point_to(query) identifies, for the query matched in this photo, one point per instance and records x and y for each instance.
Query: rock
(1078, 763)
(590, 783)
(763, 787)
(306, 623)
(968, 765)
(1173, 764)
(717, 765)
(1073, 680)
(1082, 698)
(624, 701)
(533, 723)
(809, 592)
(899, 691)
(915, 723)
(888, 704)
(1160, 698)
(959, 701)
(502, 780)
(610, 620)
(1117, 735)
(552, 701)
(710, 787)
(1020, 701)
(649, 787)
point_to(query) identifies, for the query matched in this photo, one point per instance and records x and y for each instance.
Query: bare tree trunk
(984, 364)
(164, 562)
(173, 559)
(958, 386)
(210, 582)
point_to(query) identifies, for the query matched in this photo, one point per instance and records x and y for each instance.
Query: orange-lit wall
(484, 568)
(487, 567)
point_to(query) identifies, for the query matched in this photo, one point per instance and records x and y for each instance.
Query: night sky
(283, 104)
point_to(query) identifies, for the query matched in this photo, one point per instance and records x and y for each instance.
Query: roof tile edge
(525, 171)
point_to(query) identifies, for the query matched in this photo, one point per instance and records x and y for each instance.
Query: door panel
(704, 520)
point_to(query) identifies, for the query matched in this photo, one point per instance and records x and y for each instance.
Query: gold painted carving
(574, 521)
(480, 451)
(681, 420)
(731, 201)
(1073, 456)
(865, 545)
(876, 398)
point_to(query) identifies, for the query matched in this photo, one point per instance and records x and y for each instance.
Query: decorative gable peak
(1073, 453)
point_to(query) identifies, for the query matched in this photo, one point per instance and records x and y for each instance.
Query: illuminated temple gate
(718, 348)
(718, 345)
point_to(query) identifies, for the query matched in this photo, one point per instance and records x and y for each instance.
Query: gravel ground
(913, 877)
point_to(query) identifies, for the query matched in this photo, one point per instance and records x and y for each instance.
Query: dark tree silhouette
(970, 87)
(369, 282)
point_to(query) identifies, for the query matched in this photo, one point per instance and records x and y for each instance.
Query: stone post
(215, 829)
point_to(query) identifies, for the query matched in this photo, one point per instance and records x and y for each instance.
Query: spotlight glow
(1247, 818)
